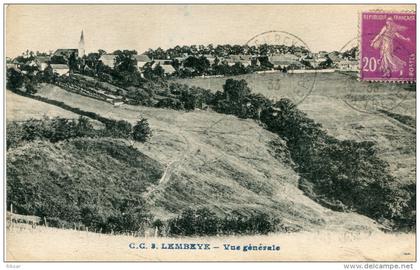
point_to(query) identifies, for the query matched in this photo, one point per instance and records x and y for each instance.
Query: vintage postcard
(209, 132)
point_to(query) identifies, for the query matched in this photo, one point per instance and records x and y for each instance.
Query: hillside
(80, 181)
(333, 101)
(221, 162)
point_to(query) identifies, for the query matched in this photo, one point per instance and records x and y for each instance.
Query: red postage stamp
(388, 46)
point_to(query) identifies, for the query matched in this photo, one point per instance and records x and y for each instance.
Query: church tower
(82, 45)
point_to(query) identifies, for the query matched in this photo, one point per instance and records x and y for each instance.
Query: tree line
(223, 50)
(60, 129)
(203, 221)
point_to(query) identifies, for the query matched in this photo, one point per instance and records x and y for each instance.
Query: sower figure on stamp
(389, 62)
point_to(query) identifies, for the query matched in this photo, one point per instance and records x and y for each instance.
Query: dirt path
(173, 165)
(398, 123)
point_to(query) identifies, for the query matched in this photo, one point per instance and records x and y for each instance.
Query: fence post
(11, 217)
(45, 222)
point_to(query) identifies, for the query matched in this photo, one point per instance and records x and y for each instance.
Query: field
(69, 245)
(342, 86)
(347, 109)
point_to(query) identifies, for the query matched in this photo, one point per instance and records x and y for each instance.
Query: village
(275, 60)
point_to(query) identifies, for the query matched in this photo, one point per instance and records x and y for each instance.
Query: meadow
(338, 85)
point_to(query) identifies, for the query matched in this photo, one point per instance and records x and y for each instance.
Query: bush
(142, 131)
(118, 129)
(14, 79)
(203, 221)
(59, 129)
(171, 103)
(53, 130)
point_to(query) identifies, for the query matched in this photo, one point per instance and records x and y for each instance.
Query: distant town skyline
(140, 27)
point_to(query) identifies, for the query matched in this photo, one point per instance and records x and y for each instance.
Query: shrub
(171, 103)
(142, 131)
(59, 129)
(53, 130)
(14, 79)
(118, 129)
(203, 221)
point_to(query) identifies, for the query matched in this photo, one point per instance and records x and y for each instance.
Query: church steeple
(82, 45)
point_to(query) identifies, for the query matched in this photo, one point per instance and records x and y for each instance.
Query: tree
(200, 65)
(101, 52)
(48, 75)
(73, 62)
(236, 90)
(92, 60)
(142, 131)
(154, 74)
(58, 59)
(125, 61)
(14, 79)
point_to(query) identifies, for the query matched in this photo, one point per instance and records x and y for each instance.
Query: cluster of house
(278, 61)
(41, 63)
(282, 61)
(140, 62)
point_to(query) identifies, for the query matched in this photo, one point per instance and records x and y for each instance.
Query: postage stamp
(368, 97)
(388, 46)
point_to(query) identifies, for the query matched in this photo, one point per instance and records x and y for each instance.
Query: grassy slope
(83, 171)
(219, 161)
(328, 102)
(19, 108)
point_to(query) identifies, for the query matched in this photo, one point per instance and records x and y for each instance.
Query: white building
(60, 69)
(285, 60)
(168, 69)
(141, 60)
(42, 62)
(243, 59)
(108, 59)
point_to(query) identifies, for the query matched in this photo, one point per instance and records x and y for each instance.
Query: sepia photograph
(210, 133)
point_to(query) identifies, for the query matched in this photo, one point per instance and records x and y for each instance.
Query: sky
(139, 27)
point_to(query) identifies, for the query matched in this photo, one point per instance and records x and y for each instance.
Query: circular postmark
(291, 75)
(368, 96)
